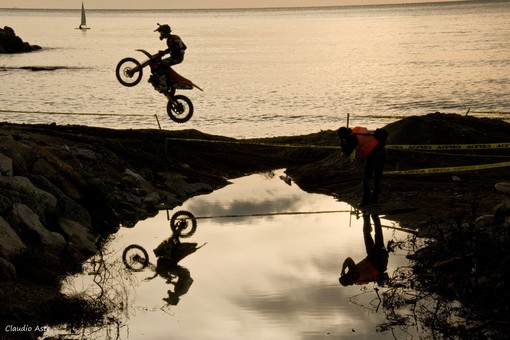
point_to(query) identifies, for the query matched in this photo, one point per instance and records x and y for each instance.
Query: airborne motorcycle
(129, 72)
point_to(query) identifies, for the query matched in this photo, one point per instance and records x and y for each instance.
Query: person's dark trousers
(374, 165)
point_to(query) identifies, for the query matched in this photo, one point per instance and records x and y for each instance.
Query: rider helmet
(164, 31)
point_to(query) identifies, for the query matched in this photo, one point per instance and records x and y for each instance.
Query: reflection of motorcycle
(170, 251)
(129, 72)
(183, 223)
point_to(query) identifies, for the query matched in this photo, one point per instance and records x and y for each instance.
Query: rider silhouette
(373, 267)
(176, 49)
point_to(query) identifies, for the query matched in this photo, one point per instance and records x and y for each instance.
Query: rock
(503, 210)
(151, 199)
(485, 221)
(10, 243)
(47, 201)
(69, 209)
(169, 199)
(85, 154)
(59, 166)
(11, 43)
(503, 187)
(18, 153)
(66, 206)
(5, 204)
(29, 227)
(7, 270)
(177, 184)
(5, 166)
(41, 167)
(79, 236)
(137, 180)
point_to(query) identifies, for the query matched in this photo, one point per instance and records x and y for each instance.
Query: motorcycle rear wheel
(179, 109)
(124, 72)
(135, 257)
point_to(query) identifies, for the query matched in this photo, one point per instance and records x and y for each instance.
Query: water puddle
(268, 269)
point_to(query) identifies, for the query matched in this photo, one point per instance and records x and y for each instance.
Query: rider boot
(163, 85)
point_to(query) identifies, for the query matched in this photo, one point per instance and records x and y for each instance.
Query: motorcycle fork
(170, 94)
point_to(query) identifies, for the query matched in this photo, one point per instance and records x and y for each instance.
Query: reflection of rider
(176, 49)
(169, 253)
(176, 275)
(373, 267)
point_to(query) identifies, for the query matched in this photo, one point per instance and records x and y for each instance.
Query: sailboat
(83, 25)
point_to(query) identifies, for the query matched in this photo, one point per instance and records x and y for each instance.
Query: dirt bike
(183, 224)
(129, 72)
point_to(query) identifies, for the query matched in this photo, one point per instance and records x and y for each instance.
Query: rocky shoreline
(63, 189)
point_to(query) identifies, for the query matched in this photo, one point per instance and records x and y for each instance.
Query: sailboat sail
(83, 24)
(83, 18)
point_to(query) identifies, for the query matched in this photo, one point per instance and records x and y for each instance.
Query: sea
(272, 271)
(264, 72)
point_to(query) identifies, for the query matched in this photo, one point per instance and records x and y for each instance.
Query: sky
(191, 4)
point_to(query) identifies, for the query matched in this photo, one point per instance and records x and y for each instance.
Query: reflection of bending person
(372, 267)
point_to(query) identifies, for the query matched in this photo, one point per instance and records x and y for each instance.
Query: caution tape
(311, 146)
(113, 114)
(450, 146)
(468, 155)
(75, 113)
(396, 172)
(428, 147)
(491, 112)
(390, 146)
(272, 214)
(448, 169)
(352, 212)
(353, 117)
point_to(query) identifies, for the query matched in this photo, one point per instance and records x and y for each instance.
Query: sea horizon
(278, 8)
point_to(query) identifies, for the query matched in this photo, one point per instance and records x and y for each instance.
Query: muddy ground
(428, 203)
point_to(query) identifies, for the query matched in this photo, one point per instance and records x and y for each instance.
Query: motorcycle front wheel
(179, 109)
(135, 257)
(129, 72)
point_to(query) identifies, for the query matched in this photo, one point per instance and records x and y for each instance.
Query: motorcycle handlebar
(156, 55)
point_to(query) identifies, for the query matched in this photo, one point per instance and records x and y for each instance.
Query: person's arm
(349, 144)
(168, 48)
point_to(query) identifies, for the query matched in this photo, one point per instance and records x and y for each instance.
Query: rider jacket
(176, 47)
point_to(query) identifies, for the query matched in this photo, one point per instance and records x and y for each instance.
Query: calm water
(265, 277)
(266, 72)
